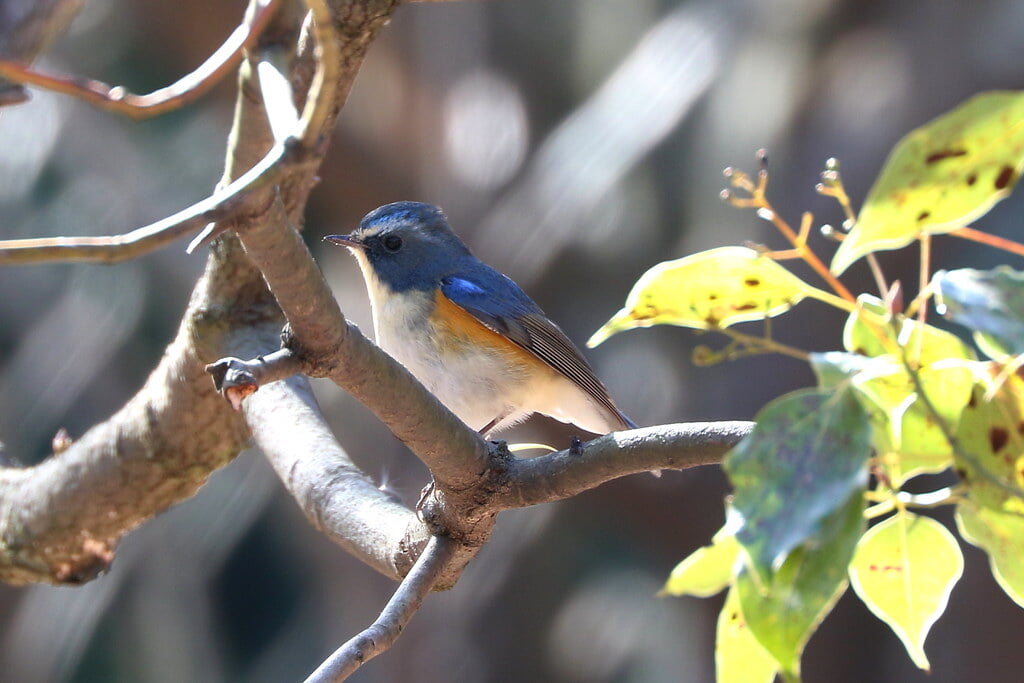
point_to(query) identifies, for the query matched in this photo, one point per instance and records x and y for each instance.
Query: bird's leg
(494, 423)
(429, 488)
(488, 427)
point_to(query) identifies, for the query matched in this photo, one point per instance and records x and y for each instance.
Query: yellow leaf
(941, 176)
(739, 658)
(708, 290)
(904, 570)
(707, 571)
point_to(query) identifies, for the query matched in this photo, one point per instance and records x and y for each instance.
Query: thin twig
(383, 632)
(923, 278)
(235, 378)
(320, 97)
(758, 200)
(186, 90)
(308, 131)
(969, 233)
(115, 248)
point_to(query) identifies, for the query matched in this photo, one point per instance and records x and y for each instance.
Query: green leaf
(739, 658)
(990, 458)
(1001, 535)
(927, 344)
(708, 571)
(904, 570)
(784, 610)
(989, 302)
(941, 176)
(835, 368)
(907, 437)
(708, 290)
(806, 455)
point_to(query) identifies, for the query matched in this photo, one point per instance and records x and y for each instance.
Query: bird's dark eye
(392, 243)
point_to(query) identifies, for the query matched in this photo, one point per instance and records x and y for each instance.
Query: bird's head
(405, 246)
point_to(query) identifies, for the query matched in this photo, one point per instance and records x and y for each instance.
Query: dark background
(573, 143)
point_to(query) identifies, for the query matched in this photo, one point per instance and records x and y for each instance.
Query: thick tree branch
(383, 632)
(337, 497)
(57, 522)
(60, 521)
(454, 453)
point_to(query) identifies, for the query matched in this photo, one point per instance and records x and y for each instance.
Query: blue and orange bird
(467, 332)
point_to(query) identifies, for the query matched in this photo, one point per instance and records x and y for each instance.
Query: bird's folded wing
(514, 316)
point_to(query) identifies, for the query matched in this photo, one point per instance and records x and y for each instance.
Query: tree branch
(27, 27)
(60, 520)
(223, 204)
(189, 88)
(383, 632)
(530, 481)
(336, 496)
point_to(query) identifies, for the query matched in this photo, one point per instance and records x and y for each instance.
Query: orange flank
(463, 329)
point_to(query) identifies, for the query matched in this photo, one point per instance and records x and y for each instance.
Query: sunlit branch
(116, 248)
(996, 241)
(383, 632)
(189, 88)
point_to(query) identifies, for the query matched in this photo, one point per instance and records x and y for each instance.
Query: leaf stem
(969, 233)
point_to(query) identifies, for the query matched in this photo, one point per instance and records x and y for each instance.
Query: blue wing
(499, 303)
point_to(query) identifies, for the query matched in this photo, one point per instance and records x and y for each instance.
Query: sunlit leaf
(784, 609)
(907, 436)
(941, 176)
(990, 459)
(739, 658)
(988, 302)
(869, 334)
(834, 368)
(806, 455)
(1001, 535)
(708, 571)
(708, 290)
(904, 570)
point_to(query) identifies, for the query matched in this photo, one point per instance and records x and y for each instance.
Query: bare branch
(336, 496)
(285, 158)
(383, 632)
(236, 379)
(529, 481)
(321, 95)
(27, 27)
(61, 520)
(189, 88)
(113, 249)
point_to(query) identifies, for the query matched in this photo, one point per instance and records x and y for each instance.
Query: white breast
(476, 383)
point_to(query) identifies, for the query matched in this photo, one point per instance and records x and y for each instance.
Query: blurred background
(573, 143)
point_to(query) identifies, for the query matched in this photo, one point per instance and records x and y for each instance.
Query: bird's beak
(345, 240)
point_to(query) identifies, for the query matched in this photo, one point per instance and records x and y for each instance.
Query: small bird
(467, 332)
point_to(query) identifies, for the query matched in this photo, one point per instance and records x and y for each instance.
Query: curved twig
(187, 89)
(380, 635)
(212, 212)
(116, 248)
